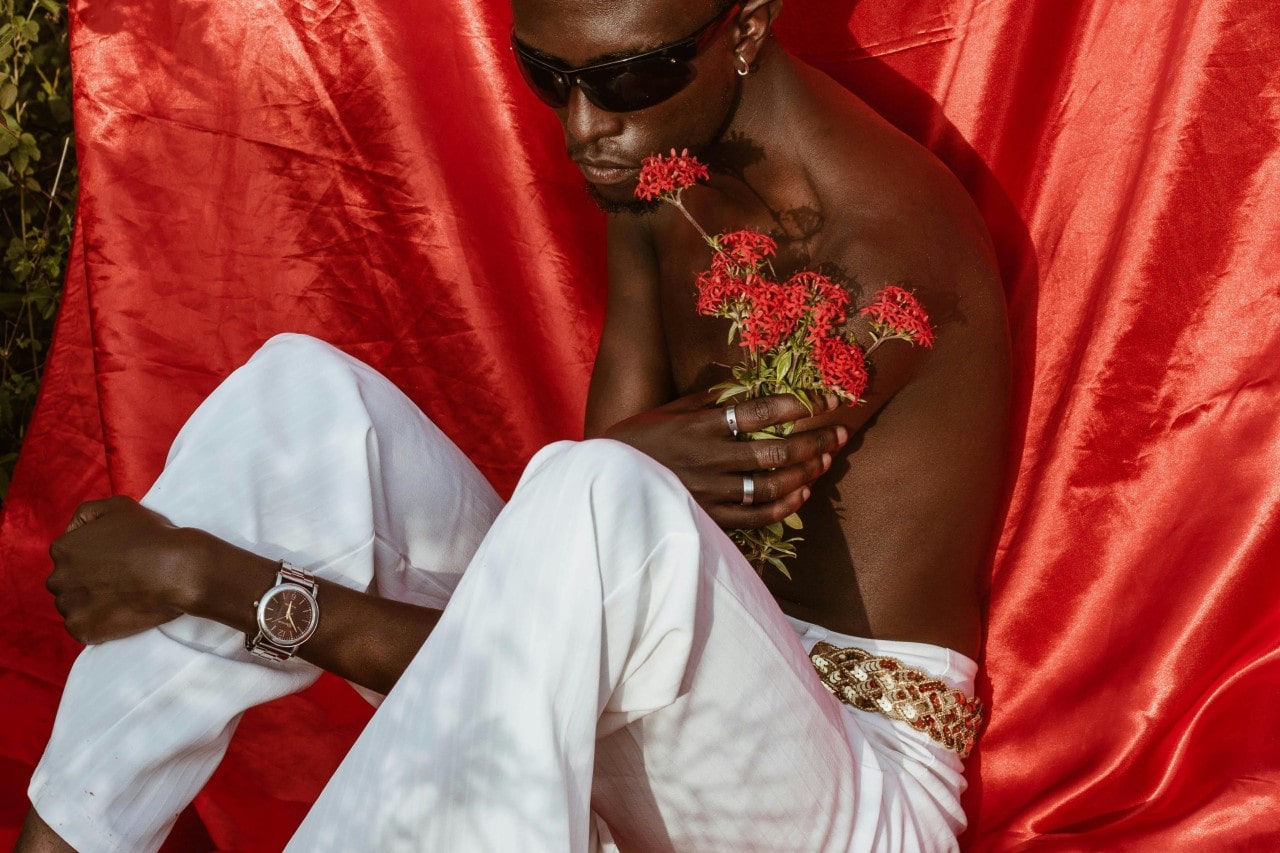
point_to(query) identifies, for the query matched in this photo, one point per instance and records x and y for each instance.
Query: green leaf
(8, 95)
(780, 566)
(793, 521)
(5, 183)
(730, 391)
(775, 529)
(783, 364)
(51, 7)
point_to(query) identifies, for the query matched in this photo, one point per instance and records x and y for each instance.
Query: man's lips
(606, 173)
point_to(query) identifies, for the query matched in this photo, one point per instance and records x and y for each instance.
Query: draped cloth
(380, 178)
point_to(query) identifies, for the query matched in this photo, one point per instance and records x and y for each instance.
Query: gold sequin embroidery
(888, 686)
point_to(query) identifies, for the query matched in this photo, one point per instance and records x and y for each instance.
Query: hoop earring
(741, 65)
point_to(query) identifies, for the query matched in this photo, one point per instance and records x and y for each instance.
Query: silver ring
(748, 490)
(731, 418)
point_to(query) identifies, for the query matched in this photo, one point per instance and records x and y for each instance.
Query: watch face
(288, 615)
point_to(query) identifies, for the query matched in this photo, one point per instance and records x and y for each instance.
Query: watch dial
(288, 617)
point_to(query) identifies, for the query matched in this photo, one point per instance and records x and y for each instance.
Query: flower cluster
(666, 177)
(742, 250)
(843, 366)
(792, 332)
(895, 313)
(804, 314)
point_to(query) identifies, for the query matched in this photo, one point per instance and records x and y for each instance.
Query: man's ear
(754, 24)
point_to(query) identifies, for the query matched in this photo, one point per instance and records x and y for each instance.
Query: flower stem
(680, 207)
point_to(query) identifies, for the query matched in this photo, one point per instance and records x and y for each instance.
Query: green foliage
(37, 201)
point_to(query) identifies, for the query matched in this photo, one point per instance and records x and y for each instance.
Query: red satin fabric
(379, 177)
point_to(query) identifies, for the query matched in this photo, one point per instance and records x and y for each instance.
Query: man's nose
(585, 123)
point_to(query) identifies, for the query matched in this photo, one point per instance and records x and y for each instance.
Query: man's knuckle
(771, 454)
(768, 491)
(760, 411)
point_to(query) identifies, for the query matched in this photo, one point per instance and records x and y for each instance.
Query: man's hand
(119, 569)
(692, 437)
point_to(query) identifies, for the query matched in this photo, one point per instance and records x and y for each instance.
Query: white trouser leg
(304, 454)
(608, 648)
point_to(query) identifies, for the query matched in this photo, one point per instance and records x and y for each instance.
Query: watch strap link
(289, 573)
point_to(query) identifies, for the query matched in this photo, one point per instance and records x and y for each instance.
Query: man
(605, 649)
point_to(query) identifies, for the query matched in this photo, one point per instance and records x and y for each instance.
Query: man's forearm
(363, 638)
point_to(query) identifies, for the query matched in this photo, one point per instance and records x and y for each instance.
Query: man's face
(608, 146)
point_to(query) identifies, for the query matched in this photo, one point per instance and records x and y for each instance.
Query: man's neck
(757, 165)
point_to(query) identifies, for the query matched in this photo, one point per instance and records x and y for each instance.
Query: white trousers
(605, 655)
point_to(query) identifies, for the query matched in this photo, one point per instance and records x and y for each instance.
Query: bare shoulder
(919, 488)
(894, 214)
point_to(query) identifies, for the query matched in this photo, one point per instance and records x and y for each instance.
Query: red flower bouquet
(791, 332)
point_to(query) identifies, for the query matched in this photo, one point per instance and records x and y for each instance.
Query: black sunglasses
(620, 85)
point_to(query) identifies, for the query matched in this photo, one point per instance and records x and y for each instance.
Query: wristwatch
(287, 614)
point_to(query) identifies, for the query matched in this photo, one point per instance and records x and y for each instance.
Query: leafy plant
(37, 200)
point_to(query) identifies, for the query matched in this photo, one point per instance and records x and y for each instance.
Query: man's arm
(632, 372)
(121, 568)
(631, 400)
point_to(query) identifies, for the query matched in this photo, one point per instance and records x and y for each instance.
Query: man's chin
(619, 202)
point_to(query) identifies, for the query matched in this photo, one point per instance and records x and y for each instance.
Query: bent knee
(600, 460)
(292, 350)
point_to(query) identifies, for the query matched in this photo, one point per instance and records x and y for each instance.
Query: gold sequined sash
(888, 686)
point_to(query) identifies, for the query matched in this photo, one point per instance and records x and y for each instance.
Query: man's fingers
(88, 512)
(770, 454)
(759, 515)
(755, 415)
(770, 486)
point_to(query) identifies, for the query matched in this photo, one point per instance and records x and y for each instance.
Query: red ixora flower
(775, 311)
(717, 288)
(665, 177)
(828, 301)
(896, 312)
(842, 365)
(744, 249)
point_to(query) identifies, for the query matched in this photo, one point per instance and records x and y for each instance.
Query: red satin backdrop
(377, 176)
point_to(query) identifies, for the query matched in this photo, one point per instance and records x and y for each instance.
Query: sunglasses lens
(548, 84)
(635, 85)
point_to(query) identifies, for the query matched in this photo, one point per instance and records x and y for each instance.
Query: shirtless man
(899, 492)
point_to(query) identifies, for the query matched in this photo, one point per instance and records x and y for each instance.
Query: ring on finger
(731, 418)
(748, 489)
